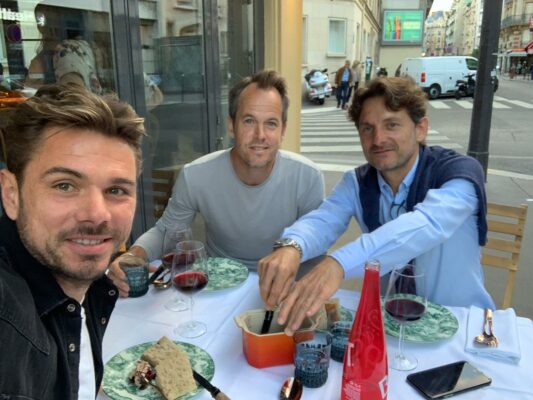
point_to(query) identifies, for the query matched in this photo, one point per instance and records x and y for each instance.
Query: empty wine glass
(405, 302)
(171, 238)
(189, 276)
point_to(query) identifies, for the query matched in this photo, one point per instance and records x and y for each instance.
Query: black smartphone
(448, 380)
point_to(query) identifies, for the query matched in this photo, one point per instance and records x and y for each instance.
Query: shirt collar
(406, 182)
(46, 292)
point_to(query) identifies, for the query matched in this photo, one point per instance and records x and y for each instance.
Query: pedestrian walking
(342, 81)
(512, 71)
(531, 71)
(525, 70)
(354, 84)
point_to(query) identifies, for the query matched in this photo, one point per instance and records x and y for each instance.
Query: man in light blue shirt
(411, 201)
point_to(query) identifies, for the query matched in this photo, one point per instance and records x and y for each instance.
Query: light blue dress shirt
(440, 234)
(345, 75)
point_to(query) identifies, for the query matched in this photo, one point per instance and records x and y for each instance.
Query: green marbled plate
(346, 315)
(225, 273)
(117, 386)
(438, 323)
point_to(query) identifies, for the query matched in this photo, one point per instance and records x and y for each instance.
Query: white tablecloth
(145, 319)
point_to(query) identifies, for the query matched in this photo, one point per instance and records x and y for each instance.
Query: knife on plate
(215, 392)
(157, 273)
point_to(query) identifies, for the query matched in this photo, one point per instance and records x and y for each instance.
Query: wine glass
(189, 276)
(405, 302)
(171, 238)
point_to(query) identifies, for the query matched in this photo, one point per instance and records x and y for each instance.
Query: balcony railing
(514, 20)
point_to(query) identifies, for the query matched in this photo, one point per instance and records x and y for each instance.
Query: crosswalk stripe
(313, 110)
(355, 139)
(496, 104)
(439, 104)
(331, 149)
(326, 132)
(351, 148)
(521, 103)
(329, 140)
(465, 104)
(352, 132)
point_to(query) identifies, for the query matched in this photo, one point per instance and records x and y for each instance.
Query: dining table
(145, 319)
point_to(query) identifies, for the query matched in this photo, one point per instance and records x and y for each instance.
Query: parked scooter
(465, 88)
(317, 85)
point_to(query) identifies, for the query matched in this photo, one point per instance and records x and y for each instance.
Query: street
(328, 138)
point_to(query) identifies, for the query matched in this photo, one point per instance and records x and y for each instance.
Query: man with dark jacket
(69, 195)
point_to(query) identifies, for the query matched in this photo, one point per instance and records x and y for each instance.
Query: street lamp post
(478, 146)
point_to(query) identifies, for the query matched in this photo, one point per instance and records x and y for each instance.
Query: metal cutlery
(487, 337)
(215, 392)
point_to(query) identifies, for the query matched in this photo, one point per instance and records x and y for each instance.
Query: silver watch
(284, 242)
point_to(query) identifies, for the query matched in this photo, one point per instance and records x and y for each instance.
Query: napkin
(505, 329)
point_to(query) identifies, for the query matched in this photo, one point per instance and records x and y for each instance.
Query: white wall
(317, 13)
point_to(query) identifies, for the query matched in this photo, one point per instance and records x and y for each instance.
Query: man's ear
(283, 129)
(231, 133)
(10, 193)
(422, 129)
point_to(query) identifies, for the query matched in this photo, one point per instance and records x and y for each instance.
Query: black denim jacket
(40, 326)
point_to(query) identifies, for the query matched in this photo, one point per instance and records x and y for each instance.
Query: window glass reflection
(53, 41)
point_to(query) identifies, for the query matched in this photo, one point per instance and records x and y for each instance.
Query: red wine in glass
(190, 282)
(405, 310)
(167, 260)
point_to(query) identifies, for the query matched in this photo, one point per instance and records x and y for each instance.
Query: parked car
(438, 75)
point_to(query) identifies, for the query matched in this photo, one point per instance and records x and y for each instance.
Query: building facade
(339, 30)
(402, 33)
(435, 34)
(516, 33)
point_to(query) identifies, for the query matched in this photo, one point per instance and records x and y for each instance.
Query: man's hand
(276, 275)
(118, 276)
(310, 293)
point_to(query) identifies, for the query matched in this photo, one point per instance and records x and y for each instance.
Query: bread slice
(173, 368)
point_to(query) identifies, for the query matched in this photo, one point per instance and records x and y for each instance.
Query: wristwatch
(284, 242)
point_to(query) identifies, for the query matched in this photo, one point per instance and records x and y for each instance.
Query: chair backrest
(162, 183)
(506, 229)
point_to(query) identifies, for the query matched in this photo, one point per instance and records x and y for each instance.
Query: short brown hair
(266, 79)
(397, 92)
(67, 106)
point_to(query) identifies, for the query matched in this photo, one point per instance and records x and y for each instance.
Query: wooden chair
(506, 228)
(162, 183)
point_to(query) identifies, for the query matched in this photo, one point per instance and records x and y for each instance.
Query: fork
(488, 339)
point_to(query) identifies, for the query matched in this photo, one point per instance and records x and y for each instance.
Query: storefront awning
(529, 48)
(516, 54)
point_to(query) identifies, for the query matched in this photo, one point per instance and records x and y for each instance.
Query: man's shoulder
(18, 307)
(288, 159)
(11, 281)
(208, 159)
(203, 167)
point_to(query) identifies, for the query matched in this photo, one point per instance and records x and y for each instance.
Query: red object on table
(365, 372)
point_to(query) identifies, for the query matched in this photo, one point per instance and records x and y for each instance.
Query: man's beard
(88, 267)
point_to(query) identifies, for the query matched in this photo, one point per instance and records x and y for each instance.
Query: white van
(438, 75)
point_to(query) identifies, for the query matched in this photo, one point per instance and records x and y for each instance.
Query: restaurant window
(47, 42)
(337, 37)
(188, 69)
